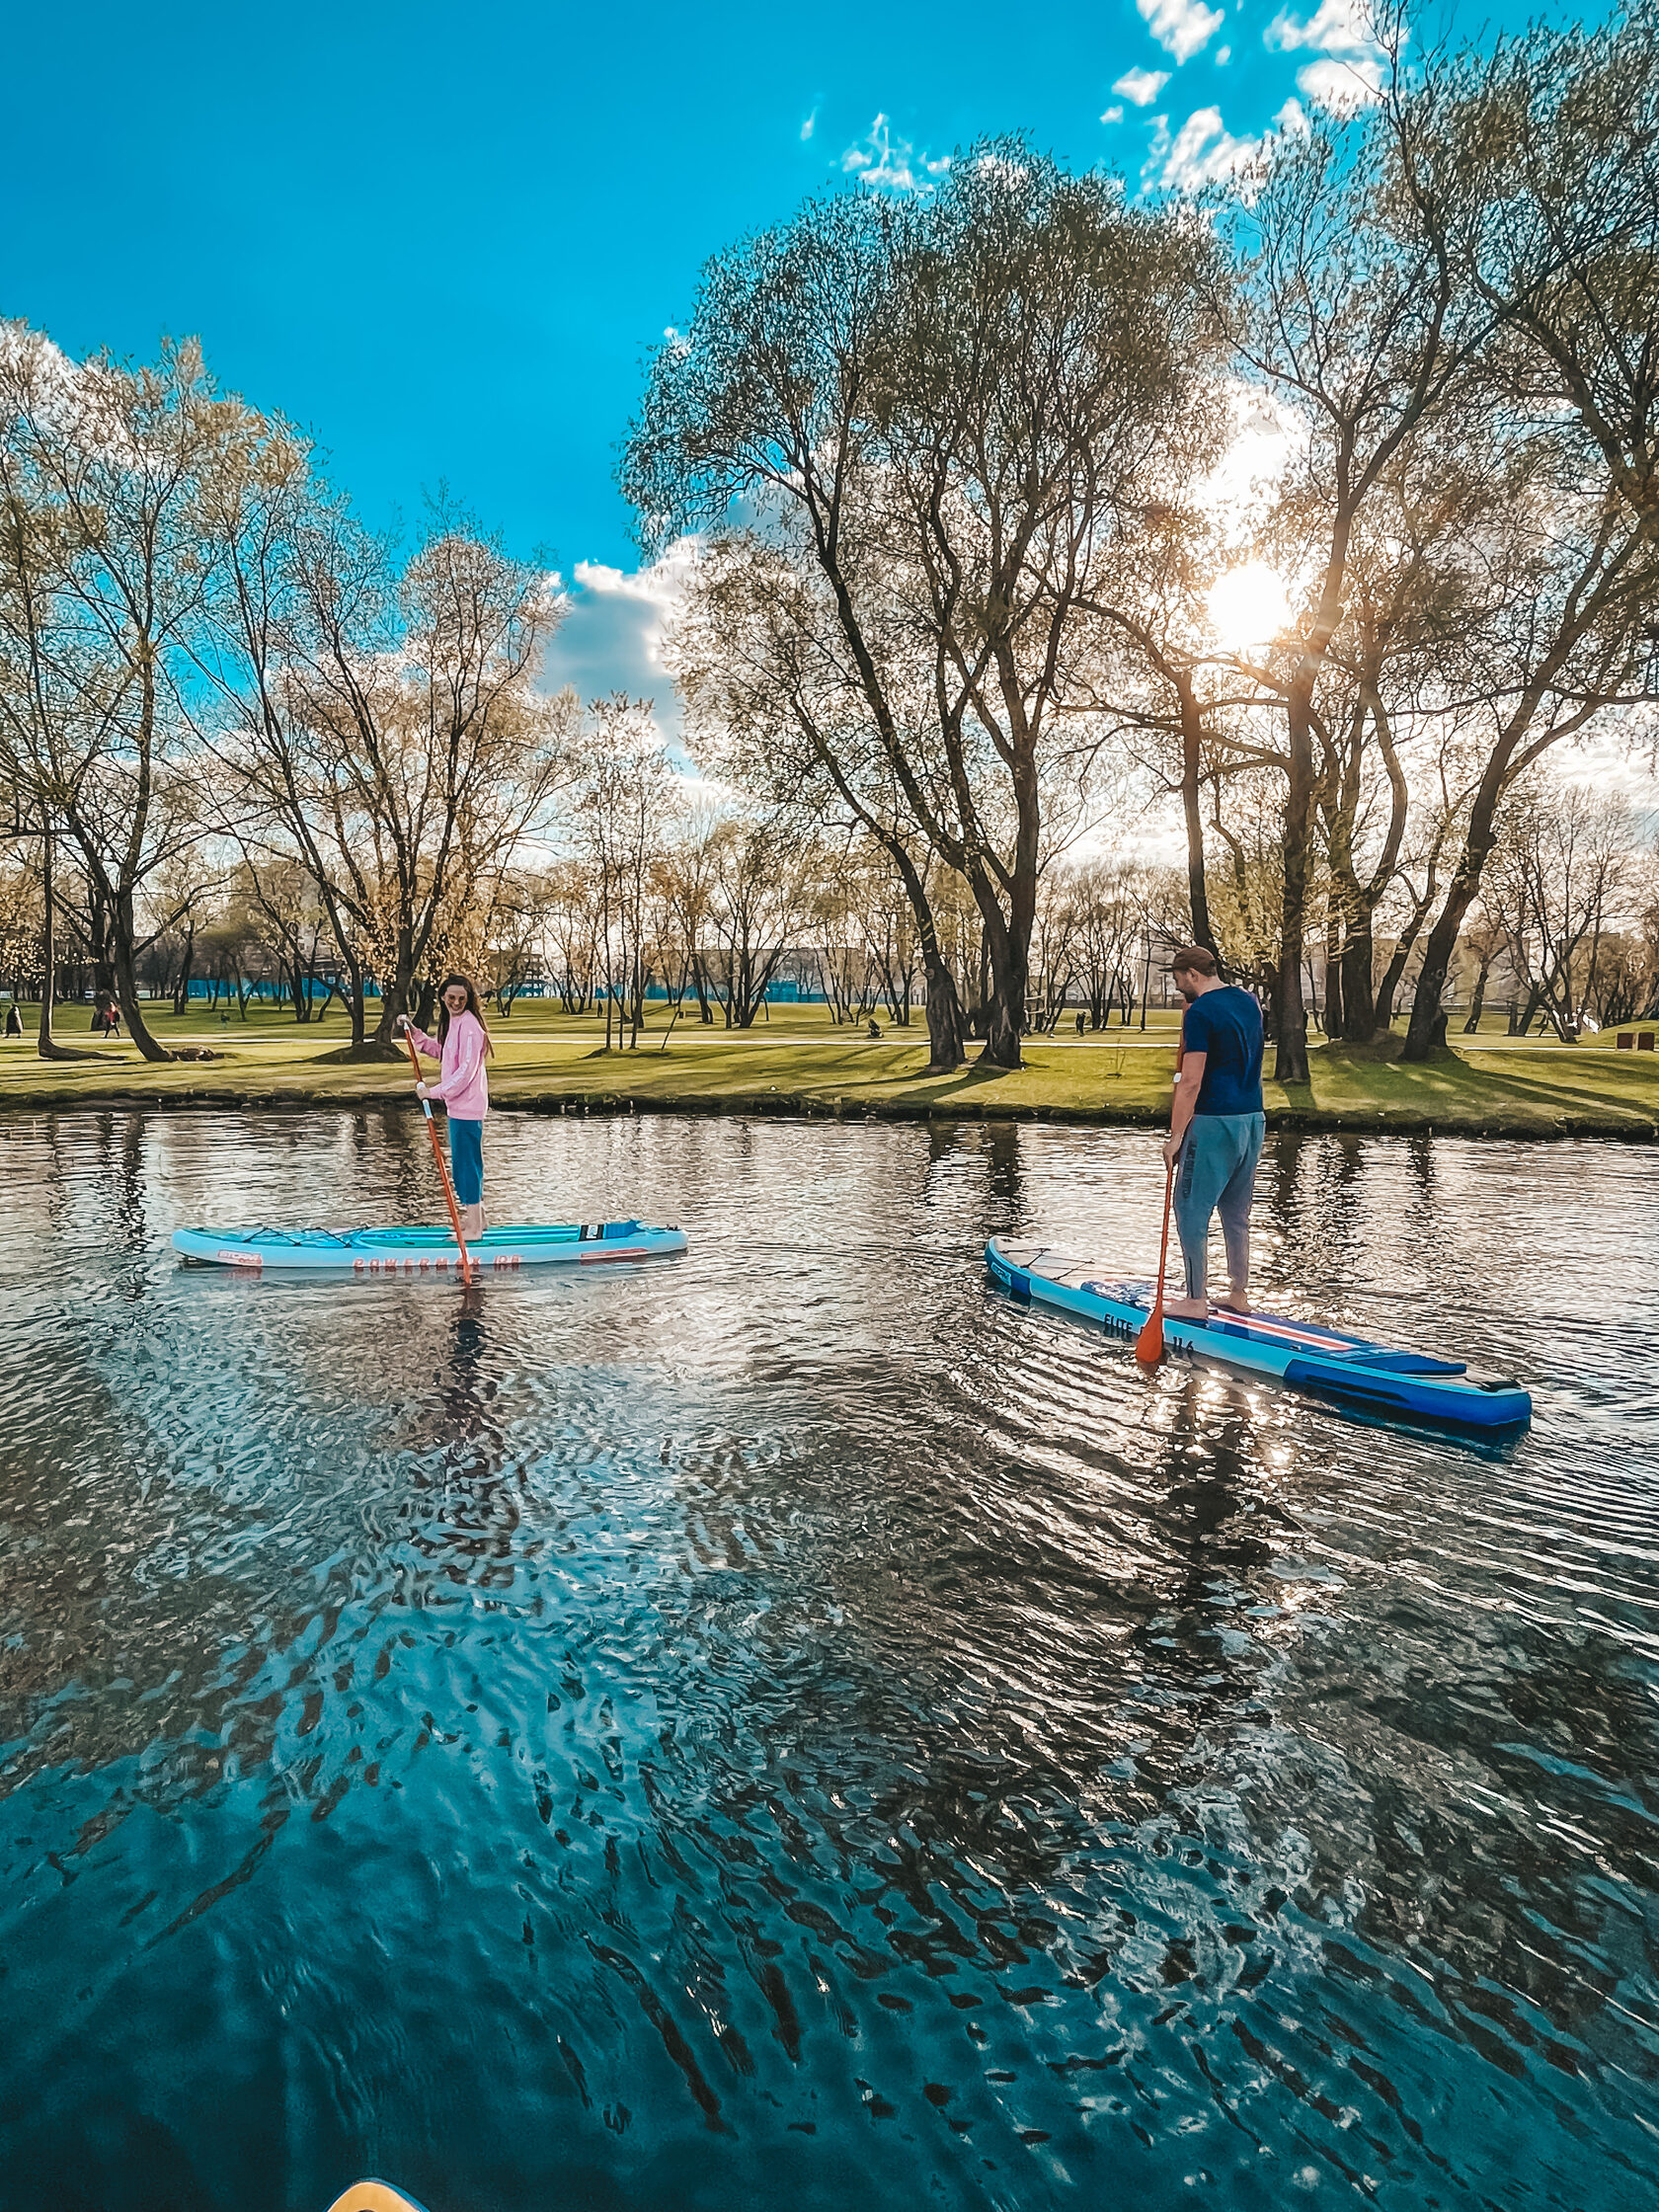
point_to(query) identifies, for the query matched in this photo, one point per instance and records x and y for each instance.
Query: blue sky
(445, 241)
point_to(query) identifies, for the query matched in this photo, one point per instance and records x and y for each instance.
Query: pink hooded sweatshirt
(462, 1087)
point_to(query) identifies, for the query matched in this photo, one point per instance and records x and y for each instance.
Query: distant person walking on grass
(460, 1048)
(1216, 1128)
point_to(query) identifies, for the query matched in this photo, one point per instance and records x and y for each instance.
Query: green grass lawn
(799, 1061)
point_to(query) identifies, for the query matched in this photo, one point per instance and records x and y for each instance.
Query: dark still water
(789, 1728)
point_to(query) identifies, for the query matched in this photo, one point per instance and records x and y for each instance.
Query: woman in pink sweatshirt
(460, 1047)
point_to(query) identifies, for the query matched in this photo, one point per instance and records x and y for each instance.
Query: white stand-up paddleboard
(423, 1251)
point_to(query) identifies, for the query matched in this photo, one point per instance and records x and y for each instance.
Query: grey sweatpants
(1216, 1173)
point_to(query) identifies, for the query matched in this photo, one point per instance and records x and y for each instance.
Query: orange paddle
(1148, 1345)
(450, 1188)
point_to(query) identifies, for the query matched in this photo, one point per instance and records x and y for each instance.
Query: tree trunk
(359, 1007)
(1333, 976)
(1358, 1024)
(100, 924)
(1477, 999)
(946, 1028)
(1290, 1010)
(123, 961)
(180, 991)
(1392, 980)
(1005, 1007)
(1478, 840)
(47, 1046)
(1198, 898)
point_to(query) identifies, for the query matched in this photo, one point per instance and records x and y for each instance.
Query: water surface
(788, 1726)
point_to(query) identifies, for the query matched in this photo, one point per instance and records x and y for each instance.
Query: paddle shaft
(443, 1168)
(1148, 1345)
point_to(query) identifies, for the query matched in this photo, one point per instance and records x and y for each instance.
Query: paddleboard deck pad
(405, 1252)
(1350, 1371)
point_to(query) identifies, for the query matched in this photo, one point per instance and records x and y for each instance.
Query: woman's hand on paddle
(401, 1024)
(421, 1091)
(1172, 1146)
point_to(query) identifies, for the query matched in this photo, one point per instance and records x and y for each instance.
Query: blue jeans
(1216, 1173)
(466, 1161)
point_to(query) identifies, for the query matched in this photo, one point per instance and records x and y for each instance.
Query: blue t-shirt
(1226, 1025)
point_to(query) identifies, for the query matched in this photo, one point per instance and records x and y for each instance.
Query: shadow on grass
(366, 1054)
(1449, 1082)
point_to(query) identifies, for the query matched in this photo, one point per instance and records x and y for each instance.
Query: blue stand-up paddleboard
(1350, 1371)
(407, 1252)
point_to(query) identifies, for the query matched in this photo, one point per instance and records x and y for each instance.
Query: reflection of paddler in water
(1221, 1524)
(460, 1048)
(458, 1385)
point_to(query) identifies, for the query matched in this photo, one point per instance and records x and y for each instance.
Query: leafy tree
(912, 430)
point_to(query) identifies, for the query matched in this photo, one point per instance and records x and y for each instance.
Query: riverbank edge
(1627, 1127)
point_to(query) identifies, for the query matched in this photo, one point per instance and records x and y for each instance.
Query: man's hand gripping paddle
(443, 1171)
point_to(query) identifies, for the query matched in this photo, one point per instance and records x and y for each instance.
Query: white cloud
(611, 636)
(1113, 115)
(1205, 152)
(892, 164)
(1180, 26)
(1142, 86)
(809, 126)
(1340, 27)
(1201, 152)
(1349, 72)
(660, 583)
(1222, 55)
(1341, 85)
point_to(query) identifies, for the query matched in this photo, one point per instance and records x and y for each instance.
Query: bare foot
(1187, 1309)
(1235, 1301)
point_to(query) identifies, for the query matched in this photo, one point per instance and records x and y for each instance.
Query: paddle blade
(1148, 1345)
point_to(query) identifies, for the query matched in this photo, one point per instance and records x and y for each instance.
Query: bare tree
(572, 924)
(1486, 941)
(1556, 883)
(102, 581)
(763, 872)
(1352, 319)
(1111, 899)
(384, 720)
(623, 801)
(933, 416)
(1536, 167)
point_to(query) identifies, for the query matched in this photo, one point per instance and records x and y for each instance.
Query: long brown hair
(472, 1007)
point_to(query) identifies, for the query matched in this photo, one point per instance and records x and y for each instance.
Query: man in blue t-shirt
(1216, 1127)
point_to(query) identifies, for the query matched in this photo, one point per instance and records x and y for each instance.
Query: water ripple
(794, 1726)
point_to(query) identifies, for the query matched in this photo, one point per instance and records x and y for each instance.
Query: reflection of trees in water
(943, 1717)
(1484, 1852)
(140, 1602)
(1116, 1710)
(979, 1730)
